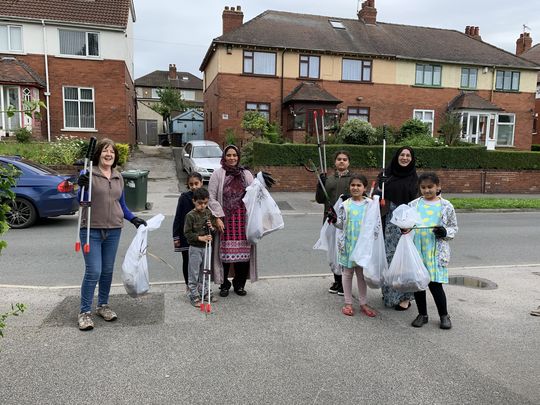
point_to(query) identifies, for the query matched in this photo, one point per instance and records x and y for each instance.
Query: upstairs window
(507, 80)
(262, 108)
(79, 43)
(356, 70)
(469, 78)
(188, 95)
(309, 66)
(260, 63)
(428, 75)
(11, 38)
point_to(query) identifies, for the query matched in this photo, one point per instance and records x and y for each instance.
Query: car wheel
(22, 215)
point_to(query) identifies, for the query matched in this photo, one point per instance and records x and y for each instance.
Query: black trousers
(185, 265)
(337, 279)
(241, 271)
(438, 296)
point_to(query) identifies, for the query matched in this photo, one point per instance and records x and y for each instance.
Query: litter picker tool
(320, 145)
(88, 166)
(310, 167)
(383, 202)
(207, 276)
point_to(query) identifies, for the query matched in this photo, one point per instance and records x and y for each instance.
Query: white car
(201, 156)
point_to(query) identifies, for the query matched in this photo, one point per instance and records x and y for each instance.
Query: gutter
(47, 90)
(62, 23)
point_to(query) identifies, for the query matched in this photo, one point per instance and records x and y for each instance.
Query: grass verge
(495, 203)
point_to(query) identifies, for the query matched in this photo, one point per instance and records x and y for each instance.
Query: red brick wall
(536, 137)
(389, 104)
(452, 181)
(113, 94)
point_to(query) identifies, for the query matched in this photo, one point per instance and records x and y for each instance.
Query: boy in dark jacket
(198, 228)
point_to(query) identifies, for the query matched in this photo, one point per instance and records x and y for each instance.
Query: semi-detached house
(285, 65)
(77, 57)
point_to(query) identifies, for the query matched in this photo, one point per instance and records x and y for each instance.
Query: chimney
(368, 12)
(473, 32)
(232, 19)
(172, 72)
(524, 43)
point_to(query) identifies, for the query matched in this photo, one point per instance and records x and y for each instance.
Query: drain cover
(284, 205)
(171, 195)
(472, 282)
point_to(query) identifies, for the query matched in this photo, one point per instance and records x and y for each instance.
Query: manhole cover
(284, 206)
(171, 195)
(472, 282)
(146, 310)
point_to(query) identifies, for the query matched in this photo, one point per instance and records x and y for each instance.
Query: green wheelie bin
(135, 189)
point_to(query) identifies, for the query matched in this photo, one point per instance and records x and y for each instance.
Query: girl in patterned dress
(349, 221)
(439, 218)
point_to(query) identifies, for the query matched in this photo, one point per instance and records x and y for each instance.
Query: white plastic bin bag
(135, 265)
(263, 214)
(369, 251)
(328, 242)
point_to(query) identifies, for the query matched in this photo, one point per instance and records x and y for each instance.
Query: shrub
(123, 153)
(230, 137)
(450, 129)
(64, 151)
(392, 135)
(413, 127)
(420, 140)
(535, 147)
(23, 135)
(358, 132)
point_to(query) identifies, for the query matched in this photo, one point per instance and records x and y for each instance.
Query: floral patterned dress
(354, 212)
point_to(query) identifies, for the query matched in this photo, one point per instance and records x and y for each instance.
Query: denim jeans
(99, 264)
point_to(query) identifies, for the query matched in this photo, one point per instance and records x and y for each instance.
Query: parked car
(201, 156)
(40, 192)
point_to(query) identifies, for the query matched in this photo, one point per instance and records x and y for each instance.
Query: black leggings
(241, 271)
(185, 264)
(438, 296)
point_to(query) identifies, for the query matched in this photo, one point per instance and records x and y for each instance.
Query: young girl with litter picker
(185, 204)
(348, 219)
(439, 225)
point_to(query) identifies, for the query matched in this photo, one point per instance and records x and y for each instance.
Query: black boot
(445, 322)
(420, 321)
(224, 288)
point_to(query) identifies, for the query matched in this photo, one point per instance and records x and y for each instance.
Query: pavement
(285, 342)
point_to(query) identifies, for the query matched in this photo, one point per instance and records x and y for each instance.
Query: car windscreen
(206, 152)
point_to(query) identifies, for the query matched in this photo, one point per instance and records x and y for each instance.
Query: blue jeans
(99, 264)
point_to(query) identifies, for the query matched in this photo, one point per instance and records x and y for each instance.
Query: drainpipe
(282, 75)
(47, 91)
(493, 82)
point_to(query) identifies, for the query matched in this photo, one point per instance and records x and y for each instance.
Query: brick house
(77, 58)
(525, 49)
(362, 68)
(149, 122)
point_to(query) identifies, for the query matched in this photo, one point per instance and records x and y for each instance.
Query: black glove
(439, 231)
(138, 222)
(83, 180)
(323, 177)
(331, 215)
(345, 197)
(268, 179)
(383, 178)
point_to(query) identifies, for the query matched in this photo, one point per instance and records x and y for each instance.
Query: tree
(255, 123)
(413, 127)
(30, 108)
(170, 100)
(450, 128)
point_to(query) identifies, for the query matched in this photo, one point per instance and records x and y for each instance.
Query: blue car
(40, 193)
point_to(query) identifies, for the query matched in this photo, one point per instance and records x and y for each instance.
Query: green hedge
(474, 157)
(535, 147)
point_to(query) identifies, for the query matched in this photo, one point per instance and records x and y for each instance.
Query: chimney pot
(226, 8)
(232, 8)
(238, 8)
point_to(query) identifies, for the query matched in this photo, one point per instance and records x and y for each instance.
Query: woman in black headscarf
(401, 187)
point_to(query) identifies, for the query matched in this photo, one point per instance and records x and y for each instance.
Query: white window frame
(86, 34)
(356, 113)
(188, 95)
(256, 106)
(9, 44)
(79, 100)
(423, 119)
(498, 124)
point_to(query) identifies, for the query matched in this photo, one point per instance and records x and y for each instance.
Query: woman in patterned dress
(439, 219)
(234, 255)
(401, 187)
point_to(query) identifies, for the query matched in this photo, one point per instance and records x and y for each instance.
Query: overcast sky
(180, 32)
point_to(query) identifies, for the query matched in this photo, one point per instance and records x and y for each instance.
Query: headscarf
(234, 187)
(231, 170)
(402, 185)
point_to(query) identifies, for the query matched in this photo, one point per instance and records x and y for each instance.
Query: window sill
(8, 52)
(259, 75)
(79, 57)
(426, 86)
(507, 91)
(309, 79)
(468, 88)
(357, 81)
(78, 130)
